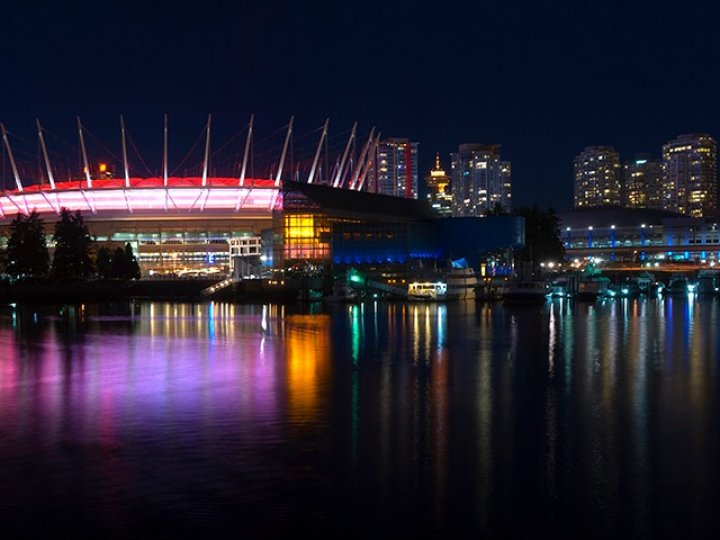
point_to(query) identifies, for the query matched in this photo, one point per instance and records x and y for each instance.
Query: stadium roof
(351, 203)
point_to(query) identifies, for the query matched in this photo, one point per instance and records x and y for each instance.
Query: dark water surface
(170, 420)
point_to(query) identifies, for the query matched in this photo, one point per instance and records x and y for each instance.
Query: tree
(27, 253)
(497, 210)
(132, 266)
(103, 262)
(542, 236)
(119, 264)
(72, 247)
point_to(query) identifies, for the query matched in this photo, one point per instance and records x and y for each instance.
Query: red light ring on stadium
(144, 195)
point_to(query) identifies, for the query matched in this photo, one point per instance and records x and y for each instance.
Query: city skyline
(279, 59)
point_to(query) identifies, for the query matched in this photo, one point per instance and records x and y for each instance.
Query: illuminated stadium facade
(181, 227)
(181, 224)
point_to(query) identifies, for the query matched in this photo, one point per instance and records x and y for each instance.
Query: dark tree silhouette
(103, 262)
(542, 236)
(497, 210)
(132, 266)
(72, 247)
(27, 254)
(119, 267)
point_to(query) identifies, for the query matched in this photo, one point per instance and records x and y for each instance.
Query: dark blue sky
(544, 79)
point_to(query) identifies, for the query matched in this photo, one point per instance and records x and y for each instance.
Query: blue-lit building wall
(379, 243)
(447, 238)
(473, 237)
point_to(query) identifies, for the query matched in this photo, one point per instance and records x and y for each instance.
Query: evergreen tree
(103, 262)
(132, 266)
(542, 236)
(119, 264)
(27, 253)
(72, 247)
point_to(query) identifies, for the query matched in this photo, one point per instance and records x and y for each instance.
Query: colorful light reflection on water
(166, 419)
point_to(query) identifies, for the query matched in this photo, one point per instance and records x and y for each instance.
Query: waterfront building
(690, 175)
(597, 177)
(481, 180)
(642, 183)
(320, 225)
(251, 224)
(639, 234)
(438, 183)
(397, 168)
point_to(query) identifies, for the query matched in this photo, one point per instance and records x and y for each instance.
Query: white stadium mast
(247, 151)
(311, 176)
(278, 177)
(339, 174)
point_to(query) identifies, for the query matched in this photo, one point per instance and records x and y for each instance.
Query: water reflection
(597, 419)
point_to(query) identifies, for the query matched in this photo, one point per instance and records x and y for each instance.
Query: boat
(656, 288)
(644, 282)
(342, 292)
(560, 288)
(427, 291)
(526, 291)
(491, 290)
(592, 288)
(708, 283)
(679, 285)
(461, 281)
(627, 289)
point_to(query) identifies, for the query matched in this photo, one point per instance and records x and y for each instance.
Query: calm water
(177, 419)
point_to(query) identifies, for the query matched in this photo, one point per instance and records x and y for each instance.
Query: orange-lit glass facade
(306, 236)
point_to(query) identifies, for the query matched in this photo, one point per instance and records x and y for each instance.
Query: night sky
(544, 79)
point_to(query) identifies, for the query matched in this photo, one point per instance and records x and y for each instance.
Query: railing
(217, 287)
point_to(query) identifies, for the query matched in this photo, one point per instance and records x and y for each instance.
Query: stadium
(221, 216)
(178, 224)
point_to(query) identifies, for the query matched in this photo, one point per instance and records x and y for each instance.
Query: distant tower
(642, 183)
(480, 180)
(439, 183)
(397, 168)
(690, 175)
(597, 177)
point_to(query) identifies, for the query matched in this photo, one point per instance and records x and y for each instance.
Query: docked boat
(428, 291)
(656, 288)
(679, 285)
(644, 282)
(461, 282)
(490, 291)
(708, 283)
(560, 288)
(626, 289)
(523, 291)
(592, 288)
(342, 292)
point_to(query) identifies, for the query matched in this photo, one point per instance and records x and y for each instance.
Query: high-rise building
(438, 182)
(397, 168)
(642, 183)
(597, 177)
(690, 174)
(480, 180)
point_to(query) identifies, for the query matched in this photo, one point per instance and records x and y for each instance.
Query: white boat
(461, 283)
(560, 288)
(644, 281)
(427, 290)
(523, 291)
